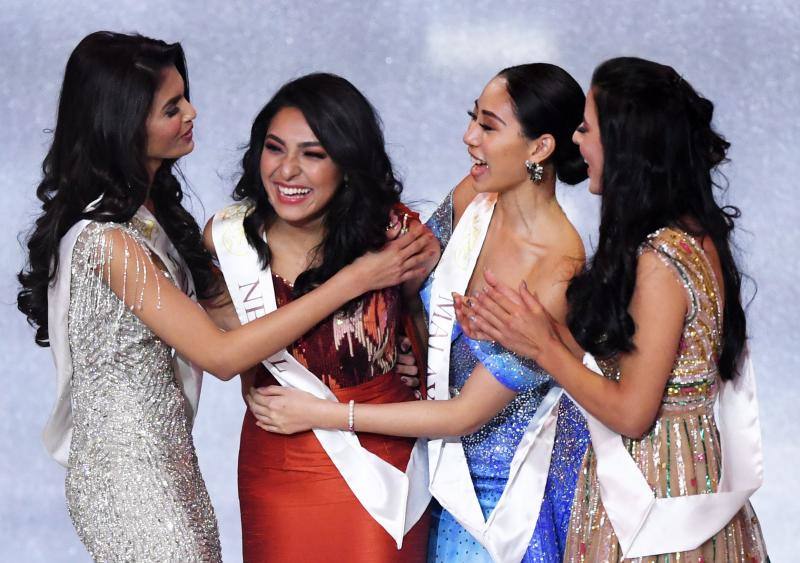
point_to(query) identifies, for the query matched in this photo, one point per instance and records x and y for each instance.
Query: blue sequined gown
(490, 450)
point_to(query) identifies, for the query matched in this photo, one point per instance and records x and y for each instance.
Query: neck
(520, 208)
(306, 235)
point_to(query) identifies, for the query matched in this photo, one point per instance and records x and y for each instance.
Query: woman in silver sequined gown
(113, 259)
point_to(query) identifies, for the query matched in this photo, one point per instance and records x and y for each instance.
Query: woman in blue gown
(489, 450)
(519, 138)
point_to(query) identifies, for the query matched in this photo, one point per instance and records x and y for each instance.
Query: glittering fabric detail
(133, 485)
(489, 451)
(680, 455)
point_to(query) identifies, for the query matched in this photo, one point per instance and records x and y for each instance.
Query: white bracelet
(351, 419)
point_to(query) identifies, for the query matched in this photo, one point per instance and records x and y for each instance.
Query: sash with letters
(57, 434)
(396, 500)
(646, 525)
(508, 530)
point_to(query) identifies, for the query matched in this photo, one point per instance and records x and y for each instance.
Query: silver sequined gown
(133, 485)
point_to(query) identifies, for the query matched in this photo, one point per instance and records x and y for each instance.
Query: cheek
(161, 134)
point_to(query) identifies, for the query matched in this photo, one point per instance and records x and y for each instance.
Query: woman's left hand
(282, 410)
(399, 224)
(515, 319)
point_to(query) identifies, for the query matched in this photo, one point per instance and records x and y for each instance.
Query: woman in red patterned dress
(318, 183)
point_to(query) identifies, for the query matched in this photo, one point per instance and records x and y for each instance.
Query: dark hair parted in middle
(659, 154)
(548, 100)
(347, 126)
(98, 148)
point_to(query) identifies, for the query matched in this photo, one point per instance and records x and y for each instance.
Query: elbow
(221, 367)
(637, 424)
(465, 420)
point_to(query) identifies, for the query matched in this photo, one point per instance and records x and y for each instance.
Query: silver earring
(535, 171)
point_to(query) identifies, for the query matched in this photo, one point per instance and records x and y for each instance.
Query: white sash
(396, 500)
(646, 525)
(508, 530)
(57, 433)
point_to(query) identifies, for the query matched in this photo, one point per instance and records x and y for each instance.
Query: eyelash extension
(318, 155)
(171, 112)
(581, 128)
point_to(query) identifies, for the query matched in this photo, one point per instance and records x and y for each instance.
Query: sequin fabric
(133, 485)
(680, 455)
(489, 451)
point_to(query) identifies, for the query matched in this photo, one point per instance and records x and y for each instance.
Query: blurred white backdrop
(421, 64)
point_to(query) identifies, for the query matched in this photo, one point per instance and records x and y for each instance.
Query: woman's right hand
(399, 260)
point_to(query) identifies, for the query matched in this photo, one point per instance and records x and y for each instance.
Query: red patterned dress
(295, 505)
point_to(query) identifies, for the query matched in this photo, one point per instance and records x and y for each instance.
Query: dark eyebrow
(493, 115)
(173, 100)
(303, 145)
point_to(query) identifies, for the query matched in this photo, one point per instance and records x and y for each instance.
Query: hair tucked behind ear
(548, 100)
(348, 128)
(659, 154)
(98, 147)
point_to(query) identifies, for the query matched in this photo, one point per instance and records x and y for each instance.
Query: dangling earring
(345, 184)
(535, 171)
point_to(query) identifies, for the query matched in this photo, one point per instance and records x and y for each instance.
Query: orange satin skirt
(295, 505)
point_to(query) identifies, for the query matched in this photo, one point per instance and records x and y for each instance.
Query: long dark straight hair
(347, 126)
(660, 154)
(98, 147)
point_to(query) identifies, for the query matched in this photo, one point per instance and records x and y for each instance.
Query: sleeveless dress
(680, 455)
(295, 504)
(133, 485)
(489, 451)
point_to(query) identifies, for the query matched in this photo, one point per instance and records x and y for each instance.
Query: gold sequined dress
(680, 455)
(133, 485)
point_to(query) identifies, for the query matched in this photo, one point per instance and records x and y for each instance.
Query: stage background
(422, 64)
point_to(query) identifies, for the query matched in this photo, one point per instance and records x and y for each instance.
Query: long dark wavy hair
(99, 147)
(548, 100)
(347, 126)
(660, 156)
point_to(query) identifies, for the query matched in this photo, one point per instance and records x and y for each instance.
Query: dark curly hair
(98, 147)
(660, 154)
(347, 126)
(548, 100)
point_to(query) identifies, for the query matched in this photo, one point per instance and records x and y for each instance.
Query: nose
(189, 113)
(290, 167)
(576, 137)
(472, 136)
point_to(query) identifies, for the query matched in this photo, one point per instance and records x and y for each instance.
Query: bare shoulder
(566, 256)
(208, 237)
(463, 194)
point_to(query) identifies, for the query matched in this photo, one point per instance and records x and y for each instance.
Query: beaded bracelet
(351, 419)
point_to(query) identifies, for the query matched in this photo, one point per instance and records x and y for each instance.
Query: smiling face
(169, 124)
(495, 141)
(587, 137)
(298, 174)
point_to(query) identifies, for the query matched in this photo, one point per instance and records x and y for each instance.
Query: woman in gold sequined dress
(659, 307)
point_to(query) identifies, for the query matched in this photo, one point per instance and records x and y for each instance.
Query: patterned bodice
(351, 346)
(694, 377)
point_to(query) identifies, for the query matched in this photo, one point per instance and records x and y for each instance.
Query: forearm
(603, 398)
(414, 418)
(255, 341)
